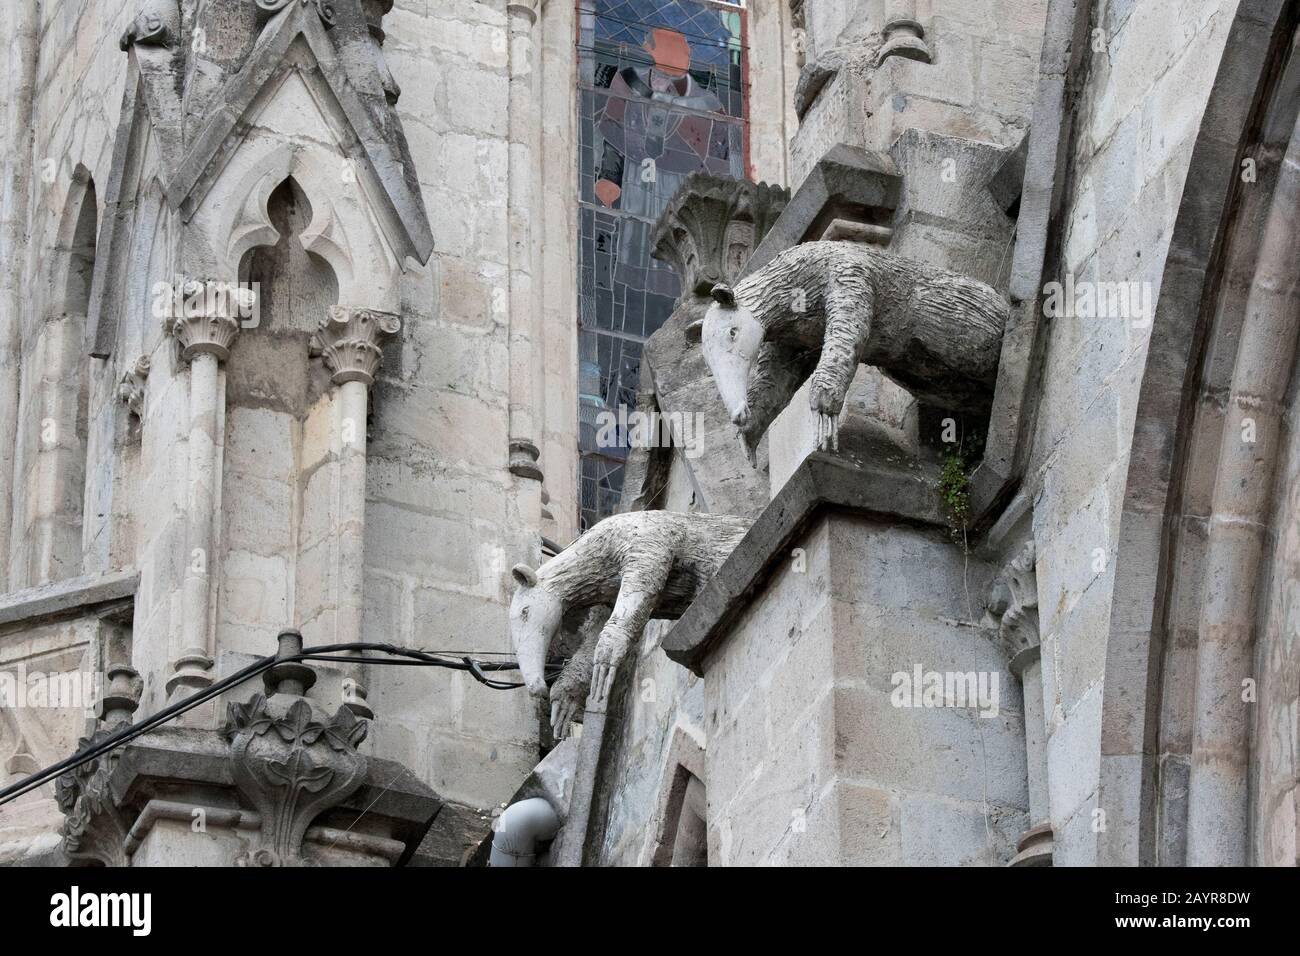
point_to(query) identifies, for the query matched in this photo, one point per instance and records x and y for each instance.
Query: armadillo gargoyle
(824, 308)
(645, 564)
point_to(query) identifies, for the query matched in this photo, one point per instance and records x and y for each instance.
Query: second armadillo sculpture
(642, 563)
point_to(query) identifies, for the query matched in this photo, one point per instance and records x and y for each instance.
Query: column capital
(1014, 605)
(205, 317)
(526, 9)
(350, 341)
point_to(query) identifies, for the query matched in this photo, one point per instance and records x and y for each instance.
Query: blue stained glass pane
(660, 96)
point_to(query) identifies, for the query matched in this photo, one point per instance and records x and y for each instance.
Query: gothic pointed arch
(1198, 761)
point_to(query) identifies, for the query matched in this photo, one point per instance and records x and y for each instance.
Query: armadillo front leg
(574, 683)
(644, 577)
(849, 307)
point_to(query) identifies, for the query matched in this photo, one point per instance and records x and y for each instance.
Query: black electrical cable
(320, 653)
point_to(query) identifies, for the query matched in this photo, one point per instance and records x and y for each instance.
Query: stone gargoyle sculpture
(823, 308)
(642, 563)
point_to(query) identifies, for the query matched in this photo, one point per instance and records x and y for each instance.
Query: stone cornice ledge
(89, 592)
(822, 483)
(173, 760)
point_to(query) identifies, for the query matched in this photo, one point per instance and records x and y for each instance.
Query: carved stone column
(524, 337)
(205, 329)
(1014, 604)
(349, 341)
(904, 35)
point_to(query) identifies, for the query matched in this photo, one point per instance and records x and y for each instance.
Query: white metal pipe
(519, 829)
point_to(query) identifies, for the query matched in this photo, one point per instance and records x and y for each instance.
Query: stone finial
(158, 24)
(290, 759)
(130, 389)
(712, 226)
(350, 342)
(94, 828)
(375, 11)
(206, 317)
(324, 9)
(1014, 605)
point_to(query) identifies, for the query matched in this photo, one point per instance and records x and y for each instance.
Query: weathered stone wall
(774, 53)
(444, 518)
(443, 522)
(979, 84)
(812, 761)
(1148, 79)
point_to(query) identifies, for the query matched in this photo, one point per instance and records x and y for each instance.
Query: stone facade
(288, 356)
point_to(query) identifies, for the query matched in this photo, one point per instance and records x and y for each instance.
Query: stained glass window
(661, 94)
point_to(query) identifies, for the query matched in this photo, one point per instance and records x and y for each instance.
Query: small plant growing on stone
(954, 481)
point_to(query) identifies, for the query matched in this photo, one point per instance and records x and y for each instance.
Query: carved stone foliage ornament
(350, 342)
(131, 387)
(158, 24)
(293, 765)
(94, 828)
(206, 317)
(712, 226)
(324, 8)
(1018, 626)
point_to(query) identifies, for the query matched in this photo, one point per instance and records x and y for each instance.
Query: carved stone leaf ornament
(93, 827)
(269, 8)
(292, 765)
(158, 24)
(349, 342)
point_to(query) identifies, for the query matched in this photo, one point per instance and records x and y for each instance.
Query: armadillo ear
(525, 575)
(695, 331)
(723, 295)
